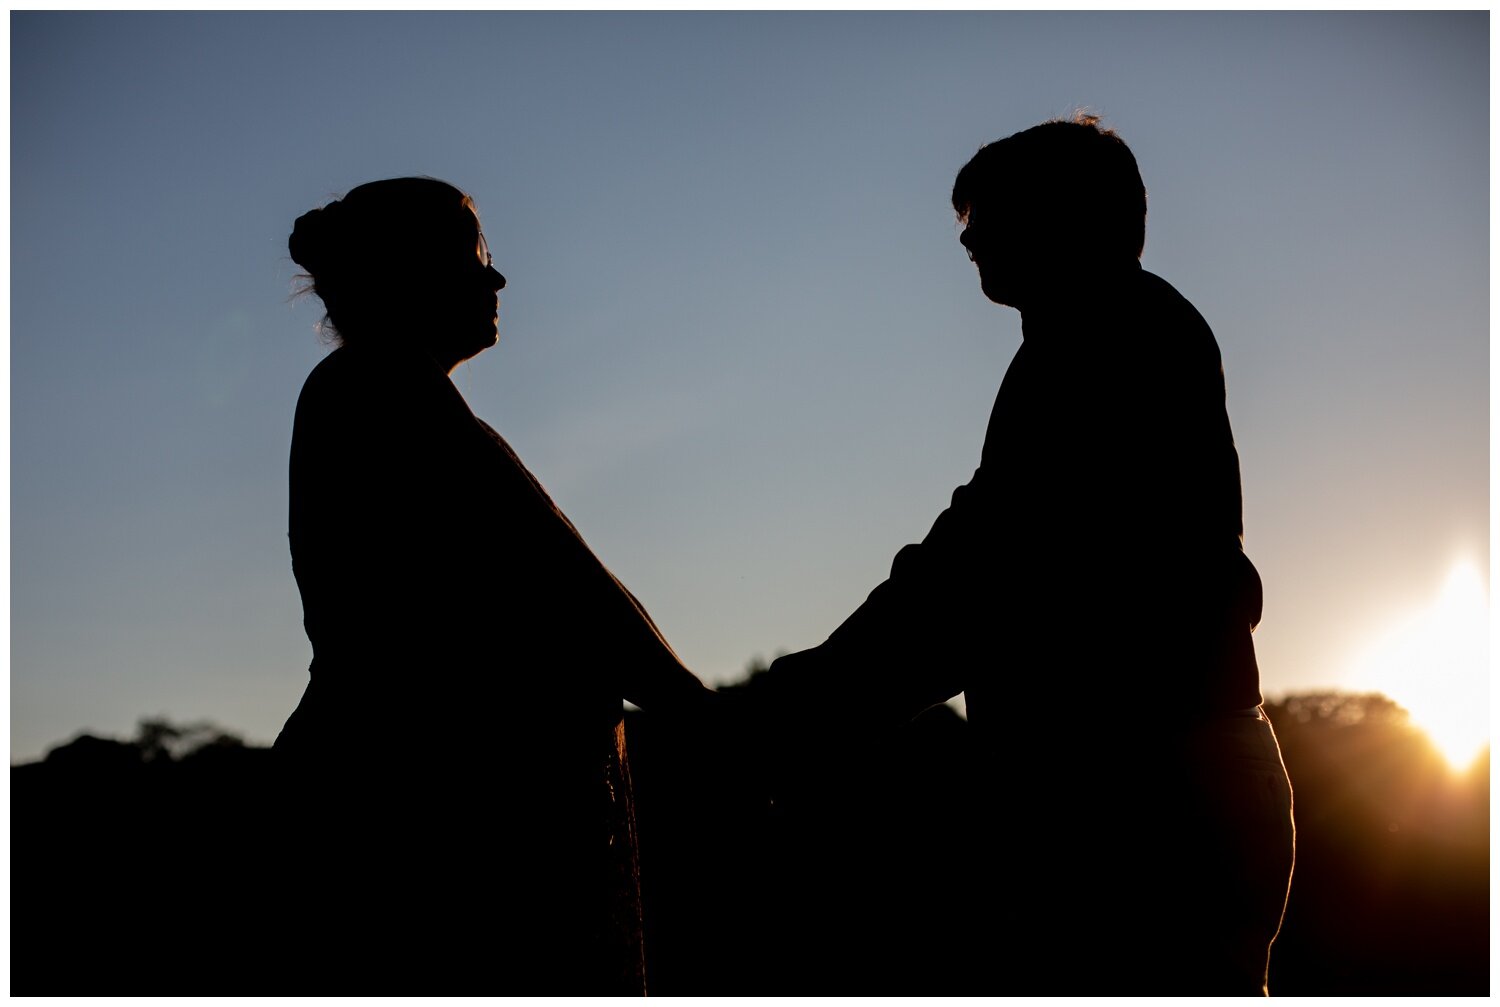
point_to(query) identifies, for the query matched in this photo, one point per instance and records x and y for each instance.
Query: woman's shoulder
(367, 380)
(351, 367)
(340, 373)
(334, 390)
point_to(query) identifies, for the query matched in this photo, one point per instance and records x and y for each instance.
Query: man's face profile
(996, 242)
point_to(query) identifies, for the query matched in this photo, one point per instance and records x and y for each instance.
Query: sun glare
(1435, 663)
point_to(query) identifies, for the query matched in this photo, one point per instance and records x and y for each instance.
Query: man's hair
(1068, 170)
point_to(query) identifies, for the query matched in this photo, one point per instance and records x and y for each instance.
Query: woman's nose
(497, 281)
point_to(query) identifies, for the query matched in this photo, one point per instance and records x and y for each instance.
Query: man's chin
(999, 293)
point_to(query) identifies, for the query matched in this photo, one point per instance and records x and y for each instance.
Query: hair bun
(315, 238)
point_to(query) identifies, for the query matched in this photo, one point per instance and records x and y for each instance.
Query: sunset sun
(1435, 663)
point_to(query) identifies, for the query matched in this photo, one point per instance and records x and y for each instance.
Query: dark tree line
(151, 865)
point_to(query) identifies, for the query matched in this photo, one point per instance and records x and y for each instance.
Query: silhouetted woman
(463, 802)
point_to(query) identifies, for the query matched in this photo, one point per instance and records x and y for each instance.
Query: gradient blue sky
(741, 345)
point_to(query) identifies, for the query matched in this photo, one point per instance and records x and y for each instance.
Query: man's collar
(1090, 296)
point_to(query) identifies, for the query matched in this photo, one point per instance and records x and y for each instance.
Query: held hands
(762, 736)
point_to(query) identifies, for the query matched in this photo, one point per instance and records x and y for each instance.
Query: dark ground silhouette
(149, 866)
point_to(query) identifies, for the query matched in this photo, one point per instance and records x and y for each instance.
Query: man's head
(1049, 208)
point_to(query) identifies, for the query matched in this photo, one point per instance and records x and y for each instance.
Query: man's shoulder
(1174, 325)
(1159, 294)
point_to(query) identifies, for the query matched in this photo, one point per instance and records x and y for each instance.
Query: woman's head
(402, 259)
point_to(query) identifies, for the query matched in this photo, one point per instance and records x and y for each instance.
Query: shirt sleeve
(912, 642)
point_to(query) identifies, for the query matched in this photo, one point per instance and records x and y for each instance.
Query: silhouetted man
(1088, 593)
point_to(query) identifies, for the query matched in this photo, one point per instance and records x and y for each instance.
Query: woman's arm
(607, 623)
(663, 683)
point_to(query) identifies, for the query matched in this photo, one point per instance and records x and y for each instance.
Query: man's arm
(912, 642)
